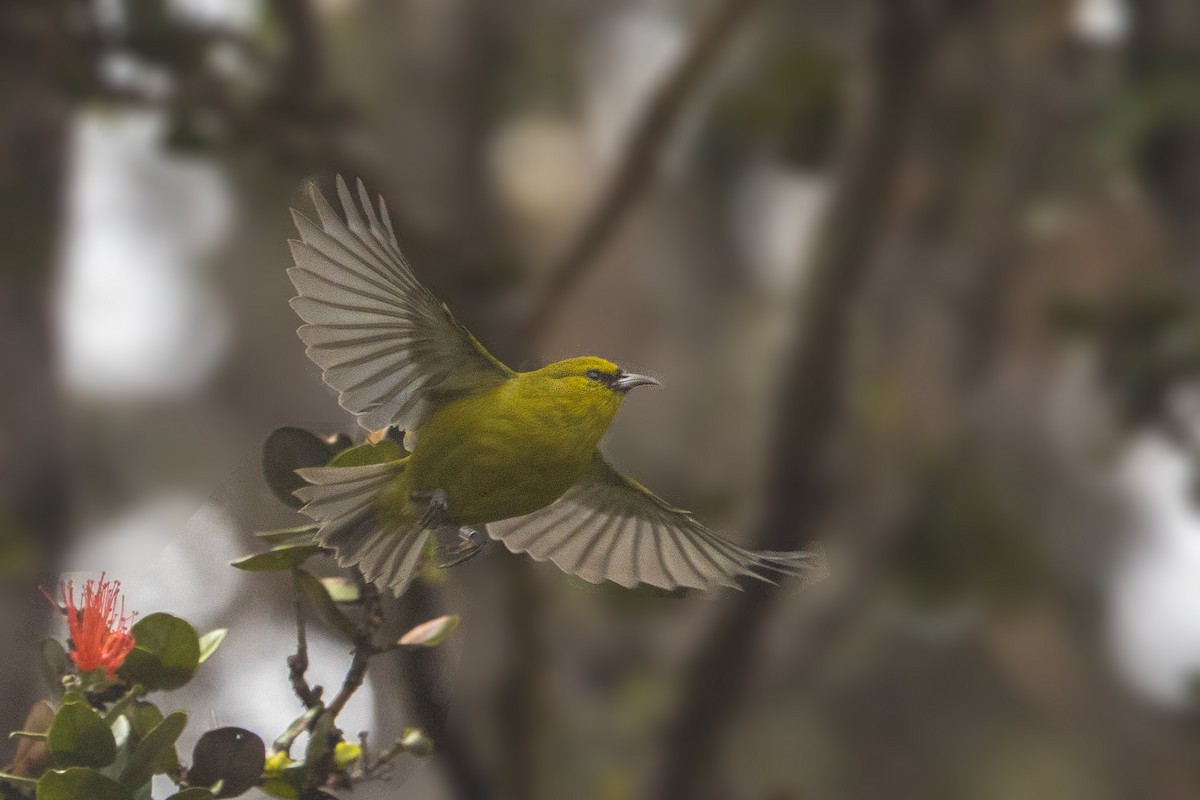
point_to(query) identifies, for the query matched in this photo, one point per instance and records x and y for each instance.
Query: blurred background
(921, 278)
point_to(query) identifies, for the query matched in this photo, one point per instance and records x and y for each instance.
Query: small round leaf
(79, 738)
(80, 783)
(166, 655)
(233, 756)
(287, 450)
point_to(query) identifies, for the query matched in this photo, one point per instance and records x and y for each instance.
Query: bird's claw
(471, 543)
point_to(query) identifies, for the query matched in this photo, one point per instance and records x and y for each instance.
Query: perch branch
(364, 648)
(310, 696)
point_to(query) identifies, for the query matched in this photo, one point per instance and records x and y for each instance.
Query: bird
(495, 453)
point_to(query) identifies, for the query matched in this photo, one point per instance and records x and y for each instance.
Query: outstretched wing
(385, 343)
(608, 527)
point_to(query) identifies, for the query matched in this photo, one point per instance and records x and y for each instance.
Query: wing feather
(608, 527)
(390, 349)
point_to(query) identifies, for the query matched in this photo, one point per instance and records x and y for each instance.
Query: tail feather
(342, 500)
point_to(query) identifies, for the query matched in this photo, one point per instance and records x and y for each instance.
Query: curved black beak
(627, 380)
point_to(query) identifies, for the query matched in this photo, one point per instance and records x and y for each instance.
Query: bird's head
(588, 376)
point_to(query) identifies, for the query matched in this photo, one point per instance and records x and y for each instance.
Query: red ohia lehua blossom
(100, 637)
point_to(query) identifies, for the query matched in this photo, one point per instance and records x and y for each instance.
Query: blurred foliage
(18, 556)
(966, 544)
(1149, 108)
(793, 102)
(1148, 335)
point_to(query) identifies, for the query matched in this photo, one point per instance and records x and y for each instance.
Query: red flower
(100, 637)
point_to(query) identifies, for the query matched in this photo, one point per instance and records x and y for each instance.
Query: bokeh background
(921, 278)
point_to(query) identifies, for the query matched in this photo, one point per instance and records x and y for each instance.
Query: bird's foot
(470, 542)
(436, 508)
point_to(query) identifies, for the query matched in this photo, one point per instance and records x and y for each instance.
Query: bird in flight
(498, 453)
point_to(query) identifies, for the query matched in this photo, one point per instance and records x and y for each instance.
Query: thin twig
(635, 167)
(364, 648)
(310, 696)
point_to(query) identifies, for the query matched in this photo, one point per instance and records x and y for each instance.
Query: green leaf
(166, 655)
(79, 783)
(278, 559)
(366, 454)
(155, 753)
(289, 449)
(281, 789)
(143, 717)
(55, 664)
(210, 641)
(301, 534)
(342, 590)
(431, 633)
(80, 738)
(314, 591)
(232, 756)
(194, 793)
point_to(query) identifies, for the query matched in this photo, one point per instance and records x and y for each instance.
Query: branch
(811, 391)
(310, 696)
(635, 167)
(364, 648)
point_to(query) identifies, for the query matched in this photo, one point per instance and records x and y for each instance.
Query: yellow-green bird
(510, 453)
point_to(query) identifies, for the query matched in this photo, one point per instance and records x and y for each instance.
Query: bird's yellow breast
(512, 449)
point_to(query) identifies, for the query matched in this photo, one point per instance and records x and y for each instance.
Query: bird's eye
(596, 375)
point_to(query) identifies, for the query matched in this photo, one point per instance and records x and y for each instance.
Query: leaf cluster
(106, 740)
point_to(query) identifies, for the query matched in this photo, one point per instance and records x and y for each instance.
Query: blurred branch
(632, 175)
(35, 496)
(520, 692)
(897, 55)
(428, 697)
(635, 167)
(304, 63)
